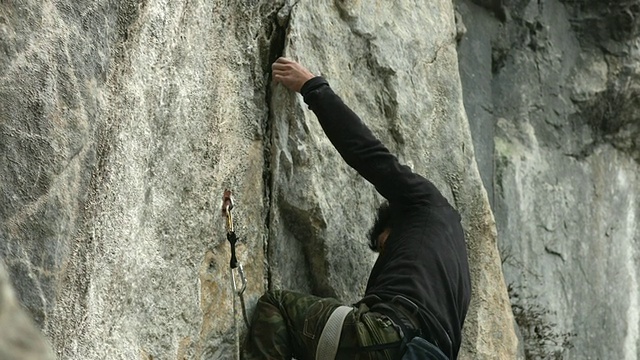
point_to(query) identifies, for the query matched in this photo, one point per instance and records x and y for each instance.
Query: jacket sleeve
(361, 150)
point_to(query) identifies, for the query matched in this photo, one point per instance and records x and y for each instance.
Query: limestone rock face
(19, 337)
(122, 122)
(552, 97)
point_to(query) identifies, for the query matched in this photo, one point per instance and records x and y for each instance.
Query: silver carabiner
(243, 280)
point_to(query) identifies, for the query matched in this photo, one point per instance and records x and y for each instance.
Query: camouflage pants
(288, 324)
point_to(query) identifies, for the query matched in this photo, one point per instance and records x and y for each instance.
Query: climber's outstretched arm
(354, 141)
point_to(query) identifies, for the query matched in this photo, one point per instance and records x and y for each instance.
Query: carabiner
(227, 206)
(243, 280)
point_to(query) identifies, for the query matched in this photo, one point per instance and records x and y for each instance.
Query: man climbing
(418, 287)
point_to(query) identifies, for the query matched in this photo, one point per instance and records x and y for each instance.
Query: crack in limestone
(274, 49)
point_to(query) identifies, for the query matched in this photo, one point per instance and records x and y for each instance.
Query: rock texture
(122, 122)
(19, 337)
(554, 85)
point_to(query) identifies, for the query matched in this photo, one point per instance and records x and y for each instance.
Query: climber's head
(381, 228)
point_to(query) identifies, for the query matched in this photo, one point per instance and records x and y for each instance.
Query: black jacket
(425, 257)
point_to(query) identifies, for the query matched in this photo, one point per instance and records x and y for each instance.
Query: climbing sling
(330, 336)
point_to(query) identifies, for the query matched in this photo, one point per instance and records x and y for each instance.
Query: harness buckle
(409, 306)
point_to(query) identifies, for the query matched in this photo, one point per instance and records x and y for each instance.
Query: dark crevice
(495, 7)
(612, 118)
(599, 22)
(271, 49)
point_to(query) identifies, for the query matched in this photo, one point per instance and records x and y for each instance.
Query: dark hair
(383, 221)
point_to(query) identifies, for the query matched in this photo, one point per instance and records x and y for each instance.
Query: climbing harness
(227, 206)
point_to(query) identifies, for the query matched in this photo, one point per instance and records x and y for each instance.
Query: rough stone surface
(122, 122)
(556, 86)
(19, 337)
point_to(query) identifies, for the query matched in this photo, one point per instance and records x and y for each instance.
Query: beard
(382, 221)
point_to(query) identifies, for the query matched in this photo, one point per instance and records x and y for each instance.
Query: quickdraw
(227, 206)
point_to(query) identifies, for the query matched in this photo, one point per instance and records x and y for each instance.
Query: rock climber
(419, 284)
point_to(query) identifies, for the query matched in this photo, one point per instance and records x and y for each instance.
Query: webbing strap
(330, 337)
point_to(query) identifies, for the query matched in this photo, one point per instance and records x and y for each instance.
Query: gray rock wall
(122, 123)
(555, 85)
(19, 337)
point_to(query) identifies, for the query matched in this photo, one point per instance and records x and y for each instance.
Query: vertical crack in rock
(275, 30)
(296, 218)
